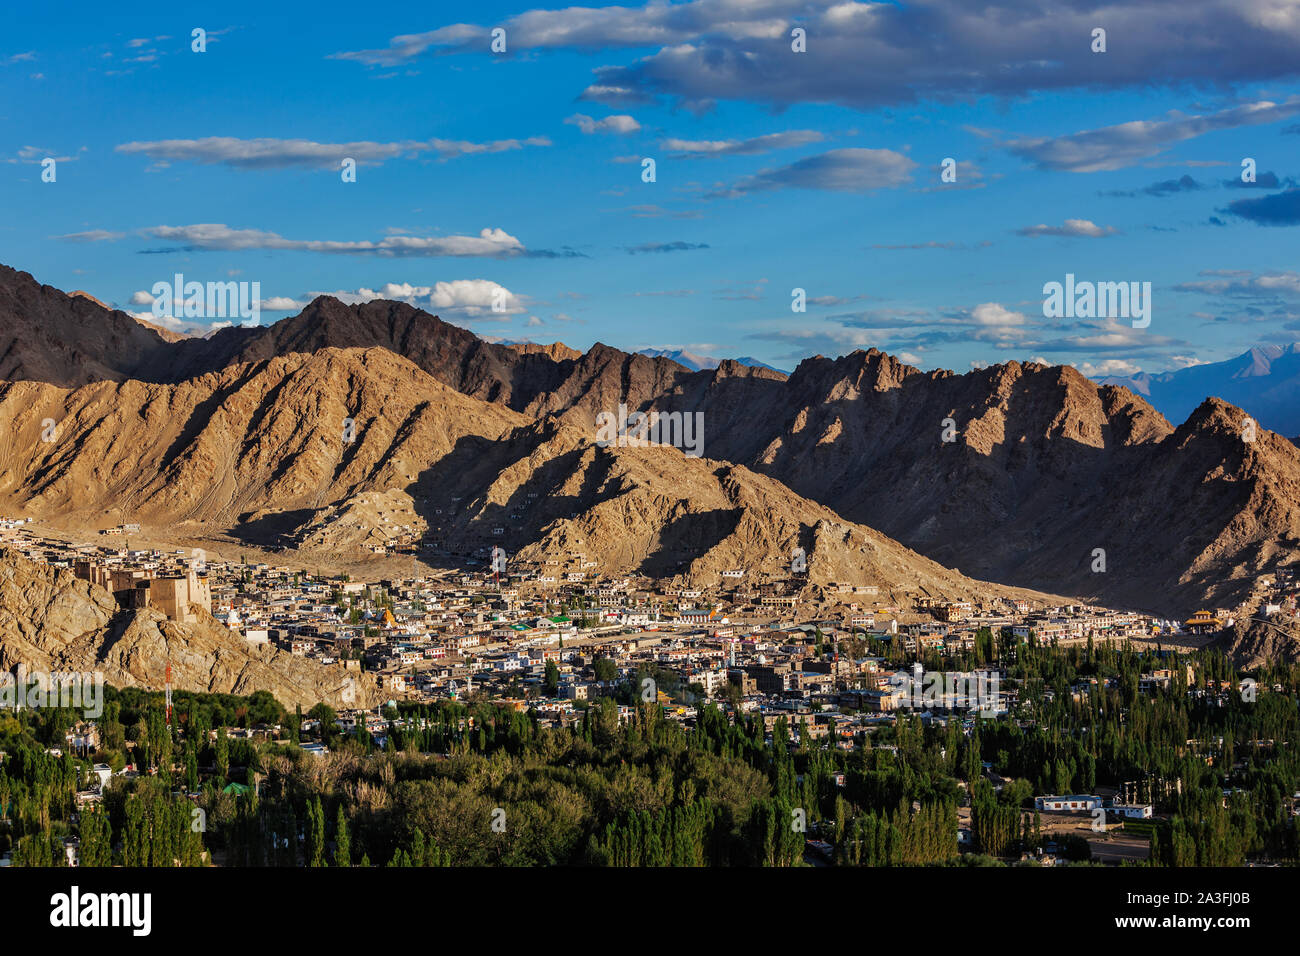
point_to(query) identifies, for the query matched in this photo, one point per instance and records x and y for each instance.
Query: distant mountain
(1264, 381)
(696, 362)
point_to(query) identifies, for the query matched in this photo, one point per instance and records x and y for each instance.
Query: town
(836, 665)
(778, 643)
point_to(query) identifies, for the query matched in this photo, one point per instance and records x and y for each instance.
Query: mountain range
(1029, 476)
(1265, 380)
(696, 362)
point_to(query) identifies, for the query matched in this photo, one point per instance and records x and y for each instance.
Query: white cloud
(1073, 227)
(270, 153)
(93, 235)
(993, 314)
(706, 149)
(169, 322)
(621, 124)
(489, 242)
(470, 298)
(1243, 284)
(1108, 367)
(37, 154)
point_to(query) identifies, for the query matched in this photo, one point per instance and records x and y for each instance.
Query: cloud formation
(1084, 228)
(495, 243)
(620, 124)
(677, 246)
(1167, 187)
(711, 149)
(1280, 209)
(839, 170)
(268, 153)
(866, 55)
(1115, 147)
(469, 298)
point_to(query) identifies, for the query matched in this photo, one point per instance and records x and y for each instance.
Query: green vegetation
(479, 784)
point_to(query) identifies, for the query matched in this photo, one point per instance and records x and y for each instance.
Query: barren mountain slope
(1044, 467)
(555, 494)
(272, 435)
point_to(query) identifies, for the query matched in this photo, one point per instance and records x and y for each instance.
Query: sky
(796, 146)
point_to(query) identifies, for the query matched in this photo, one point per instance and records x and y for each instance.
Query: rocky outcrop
(51, 621)
(1254, 642)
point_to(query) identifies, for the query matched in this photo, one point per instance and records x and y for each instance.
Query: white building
(1074, 802)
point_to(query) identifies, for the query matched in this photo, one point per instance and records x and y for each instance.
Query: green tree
(342, 840)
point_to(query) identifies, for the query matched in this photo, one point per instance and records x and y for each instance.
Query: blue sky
(775, 170)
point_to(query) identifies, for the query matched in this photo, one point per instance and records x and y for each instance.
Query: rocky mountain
(1018, 473)
(51, 621)
(555, 495)
(1044, 472)
(236, 448)
(557, 351)
(263, 449)
(525, 377)
(1043, 469)
(70, 340)
(1265, 380)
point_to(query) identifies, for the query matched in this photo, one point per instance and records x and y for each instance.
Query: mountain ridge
(1017, 473)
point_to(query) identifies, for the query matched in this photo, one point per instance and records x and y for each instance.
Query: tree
(605, 668)
(315, 833)
(342, 841)
(551, 682)
(325, 714)
(96, 838)
(223, 753)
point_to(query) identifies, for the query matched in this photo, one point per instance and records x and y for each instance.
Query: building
(1202, 622)
(1073, 803)
(174, 594)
